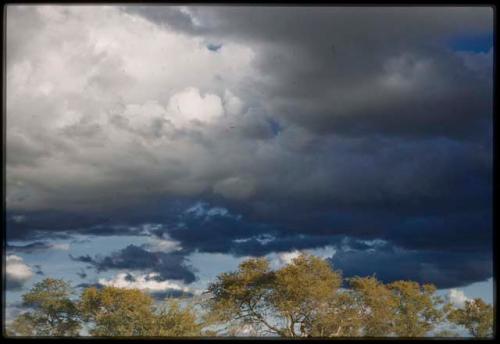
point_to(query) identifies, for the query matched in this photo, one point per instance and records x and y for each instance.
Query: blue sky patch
(476, 43)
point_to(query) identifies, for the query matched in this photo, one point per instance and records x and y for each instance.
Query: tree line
(305, 298)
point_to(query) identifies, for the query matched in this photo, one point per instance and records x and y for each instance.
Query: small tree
(123, 312)
(341, 317)
(418, 308)
(23, 325)
(476, 317)
(172, 320)
(53, 312)
(117, 311)
(377, 306)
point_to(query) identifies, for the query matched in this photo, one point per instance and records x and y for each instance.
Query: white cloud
(143, 282)
(61, 246)
(281, 259)
(17, 272)
(286, 258)
(203, 209)
(165, 245)
(457, 297)
(100, 99)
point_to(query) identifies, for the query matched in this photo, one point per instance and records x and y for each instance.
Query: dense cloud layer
(249, 130)
(444, 269)
(166, 266)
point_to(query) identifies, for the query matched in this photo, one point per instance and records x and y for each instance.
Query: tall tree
(241, 297)
(476, 317)
(302, 291)
(281, 302)
(53, 312)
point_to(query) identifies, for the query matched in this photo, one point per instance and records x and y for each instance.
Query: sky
(155, 147)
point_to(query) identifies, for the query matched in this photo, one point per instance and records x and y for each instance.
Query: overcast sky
(155, 146)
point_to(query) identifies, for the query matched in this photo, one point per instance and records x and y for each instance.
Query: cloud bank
(286, 128)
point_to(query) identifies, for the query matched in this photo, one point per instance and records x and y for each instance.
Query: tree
(476, 317)
(123, 312)
(339, 318)
(241, 297)
(172, 320)
(302, 291)
(23, 325)
(281, 302)
(377, 306)
(53, 314)
(417, 310)
(117, 311)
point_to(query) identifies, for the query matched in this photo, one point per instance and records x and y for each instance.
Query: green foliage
(476, 317)
(53, 314)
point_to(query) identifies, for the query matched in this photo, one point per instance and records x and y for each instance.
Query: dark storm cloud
(445, 269)
(38, 270)
(82, 274)
(29, 248)
(167, 265)
(356, 71)
(89, 285)
(170, 293)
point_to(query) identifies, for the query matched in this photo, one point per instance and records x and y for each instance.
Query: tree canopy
(305, 298)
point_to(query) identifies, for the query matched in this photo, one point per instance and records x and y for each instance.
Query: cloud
(165, 266)
(82, 274)
(445, 269)
(306, 126)
(457, 297)
(39, 270)
(17, 273)
(12, 310)
(149, 282)
(166, 245)
(234, 187)
(286, 258)
(178, 101)
(350, 80)
(38, 246)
